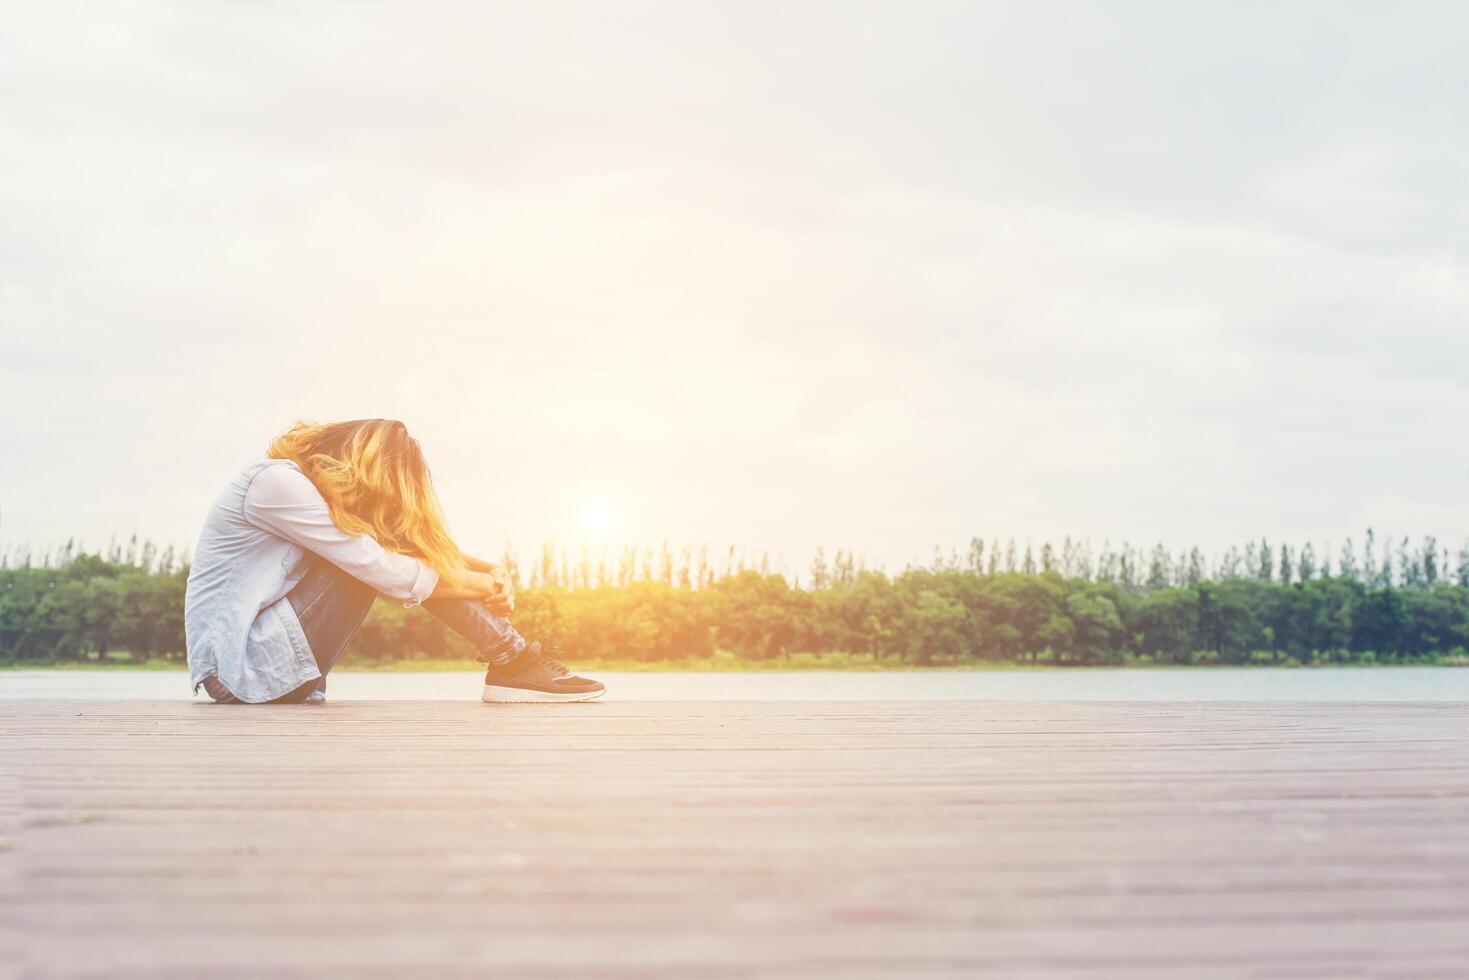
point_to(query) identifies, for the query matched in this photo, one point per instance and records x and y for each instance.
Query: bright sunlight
(599, 517)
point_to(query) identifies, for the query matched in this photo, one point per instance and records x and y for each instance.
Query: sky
(870, 276)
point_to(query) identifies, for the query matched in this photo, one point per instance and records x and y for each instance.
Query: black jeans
(331, 605)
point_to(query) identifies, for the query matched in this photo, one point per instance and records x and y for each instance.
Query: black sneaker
(536, 675)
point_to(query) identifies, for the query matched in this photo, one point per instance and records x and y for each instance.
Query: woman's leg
(517, 671)
(330, 605)
(495, 640)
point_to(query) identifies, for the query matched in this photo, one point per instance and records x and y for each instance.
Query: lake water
(1141, 684)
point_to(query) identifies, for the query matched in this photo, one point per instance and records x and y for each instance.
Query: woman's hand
(495, 591)
(500, 600)
(506, 594)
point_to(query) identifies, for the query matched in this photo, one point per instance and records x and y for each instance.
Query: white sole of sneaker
(514, 695)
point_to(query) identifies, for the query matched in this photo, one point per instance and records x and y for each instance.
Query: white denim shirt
(238, 624)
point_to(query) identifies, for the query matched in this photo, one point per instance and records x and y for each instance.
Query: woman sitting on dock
(297, 547)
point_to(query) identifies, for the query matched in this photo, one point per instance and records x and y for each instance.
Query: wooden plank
(799, 839)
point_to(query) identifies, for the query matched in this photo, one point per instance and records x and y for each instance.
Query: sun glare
(598, 518)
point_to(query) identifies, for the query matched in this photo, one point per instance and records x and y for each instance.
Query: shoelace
(550, 660)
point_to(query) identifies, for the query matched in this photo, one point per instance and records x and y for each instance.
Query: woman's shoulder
(278, 479)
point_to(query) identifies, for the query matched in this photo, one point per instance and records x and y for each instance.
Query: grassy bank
(973, 617)
(794, 662)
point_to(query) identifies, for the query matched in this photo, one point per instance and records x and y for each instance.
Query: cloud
(880, 277)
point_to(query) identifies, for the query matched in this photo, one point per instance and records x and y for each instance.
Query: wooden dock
(739, 839)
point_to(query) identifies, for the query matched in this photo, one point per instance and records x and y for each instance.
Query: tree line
(1407, 601)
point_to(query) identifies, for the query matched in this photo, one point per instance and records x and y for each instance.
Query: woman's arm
(504, 601)
(480, 565)
(283, 501)
(477, 585)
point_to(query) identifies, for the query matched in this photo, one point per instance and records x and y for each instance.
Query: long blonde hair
(375, 481)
